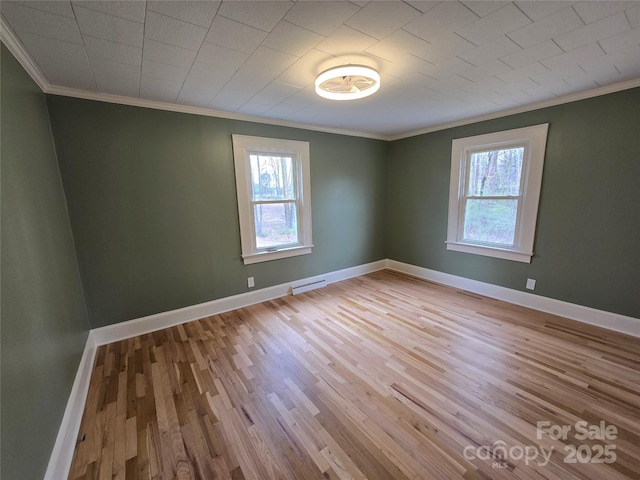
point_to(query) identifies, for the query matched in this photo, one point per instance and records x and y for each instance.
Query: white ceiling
(440, 62)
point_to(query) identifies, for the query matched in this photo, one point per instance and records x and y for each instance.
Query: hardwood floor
(381, 377)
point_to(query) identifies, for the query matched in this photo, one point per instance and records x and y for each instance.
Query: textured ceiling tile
(37, 22)
(227, 101)
(108, 27)
(159, 90)
(633, 15)
(345, 41)
(497, 48)
(442, 19)
(163, 71)
(522, 73)
(58, 8)
(483, 8)
(593, 11)
(289, 38)
(402, 66)
(252, 108)
(280, 89)
(116, 52)
(430, 73)
(264, 15)
(63, 63)
(484, 85)
(193, 83)
(446, 46)
(302, 99)
(274, 94)
(123, 9)
(304, 71)
(581, 81)
(234, 35)
(621, 41)
(169, 54)
(549, 27)
(197, 12)
(518, 86)
(446, 84)
(627, 61)
(573, 57)
(448, 68)
(320, 17)
(484, 71)
(537, 10)
(204, 72)
(116, 78)
(564, 88)
(543, 92)
(555, 75)
(399, 42)
(423, 5)
(196, 99)
(593, 32)
(267, 63)
(532, 54)
(174, 32)
(494, 25)
(379, 19)
(606, 75)
(221, 57)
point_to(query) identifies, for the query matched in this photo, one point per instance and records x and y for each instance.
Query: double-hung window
(494, 193)
(274, 197)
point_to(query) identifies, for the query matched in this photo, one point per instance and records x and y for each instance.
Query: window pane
(276, 224)
(495, 172)
(272, 177)
(490, 221)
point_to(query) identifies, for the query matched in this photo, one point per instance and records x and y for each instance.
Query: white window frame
(243, 147)
(534, 140)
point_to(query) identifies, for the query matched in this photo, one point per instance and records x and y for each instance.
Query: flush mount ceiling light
(347, 82)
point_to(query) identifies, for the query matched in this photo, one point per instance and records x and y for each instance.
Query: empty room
(310, 239)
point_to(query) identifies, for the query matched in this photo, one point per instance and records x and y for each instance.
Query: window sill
(276, 255)
(488, 251)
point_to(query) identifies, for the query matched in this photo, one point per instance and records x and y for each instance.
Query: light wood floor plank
(383, 376)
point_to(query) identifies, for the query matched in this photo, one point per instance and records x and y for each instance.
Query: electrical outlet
(531, 284)
(250, 282)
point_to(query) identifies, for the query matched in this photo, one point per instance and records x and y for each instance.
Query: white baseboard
(151, 323)
(592, 316)
(62, 454)
(63, 449)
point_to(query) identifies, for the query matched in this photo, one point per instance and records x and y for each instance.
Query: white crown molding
(14, 45)
(596, 92)
(207, 112)
(580, 313)
(9, 38)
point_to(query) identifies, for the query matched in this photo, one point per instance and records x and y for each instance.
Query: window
(494, 193)
(274, 197)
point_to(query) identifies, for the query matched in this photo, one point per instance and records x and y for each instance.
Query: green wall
(588, 230)
(153, 206)
(44, 318)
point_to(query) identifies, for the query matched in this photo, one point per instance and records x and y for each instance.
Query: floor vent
(308, 287)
